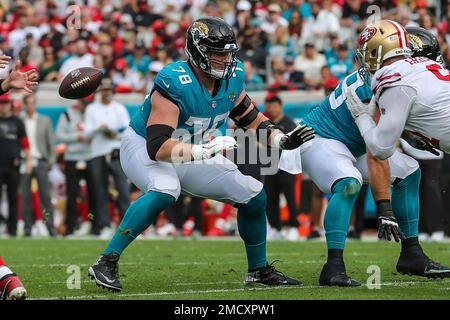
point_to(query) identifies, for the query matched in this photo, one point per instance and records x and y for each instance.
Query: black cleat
(333, 274)
(105, 272)
(414, 262)
(270, 276)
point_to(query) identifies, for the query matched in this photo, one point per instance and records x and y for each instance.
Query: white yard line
(172, 293)
(190, 292)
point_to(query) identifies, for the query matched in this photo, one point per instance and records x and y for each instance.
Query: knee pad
(348, 187)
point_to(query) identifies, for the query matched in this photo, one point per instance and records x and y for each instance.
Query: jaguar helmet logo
(415, 41)
(199, 31)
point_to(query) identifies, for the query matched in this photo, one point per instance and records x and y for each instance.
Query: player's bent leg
(336, 223)
(327, 161)
(11, 288)
(219, 179)
(161, 186)
(331, 166)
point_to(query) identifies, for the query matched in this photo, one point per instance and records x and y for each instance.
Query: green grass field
(208, 269)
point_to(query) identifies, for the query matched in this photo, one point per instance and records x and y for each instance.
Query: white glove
(356, 107)
(210, 149)
(362, 113)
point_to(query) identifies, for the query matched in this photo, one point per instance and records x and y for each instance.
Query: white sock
(4, 271)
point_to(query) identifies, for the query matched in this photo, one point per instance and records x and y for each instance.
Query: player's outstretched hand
(388, 227)
(419, 142)
(210, 149)
(297, 137)
(21, 80)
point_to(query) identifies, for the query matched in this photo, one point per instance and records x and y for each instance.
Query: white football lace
(80, 82)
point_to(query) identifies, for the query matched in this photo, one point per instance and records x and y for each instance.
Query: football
(80, 83)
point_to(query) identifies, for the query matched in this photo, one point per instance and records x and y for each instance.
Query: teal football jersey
(200, 113)
(331, 119)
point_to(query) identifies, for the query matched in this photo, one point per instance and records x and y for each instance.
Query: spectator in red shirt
(24, 58)
(125, 79)
(280, 83)
(329, 82)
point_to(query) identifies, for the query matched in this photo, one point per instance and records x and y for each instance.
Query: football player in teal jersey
(336, 160)
(190, 100)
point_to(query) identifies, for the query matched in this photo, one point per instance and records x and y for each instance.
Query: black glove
(297, 137)
(419, 142)
(387, 224)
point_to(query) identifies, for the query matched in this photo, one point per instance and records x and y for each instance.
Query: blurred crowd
(285, 45)
(76, 185)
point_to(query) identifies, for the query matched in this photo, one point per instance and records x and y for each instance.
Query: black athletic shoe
(414, 262)
(105, 272)
(270, 276)
(333, 274)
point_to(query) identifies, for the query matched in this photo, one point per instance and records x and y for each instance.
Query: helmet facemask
(220, 64)
(364, 68)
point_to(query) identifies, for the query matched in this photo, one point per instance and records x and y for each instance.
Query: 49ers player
(411, 93)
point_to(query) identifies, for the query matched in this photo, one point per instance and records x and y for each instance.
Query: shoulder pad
(385, 77)
(239, 72)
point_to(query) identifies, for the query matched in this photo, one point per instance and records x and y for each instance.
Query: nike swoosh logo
(167, 85)
(106, 278)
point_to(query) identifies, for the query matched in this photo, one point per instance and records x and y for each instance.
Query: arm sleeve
(395, 105)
